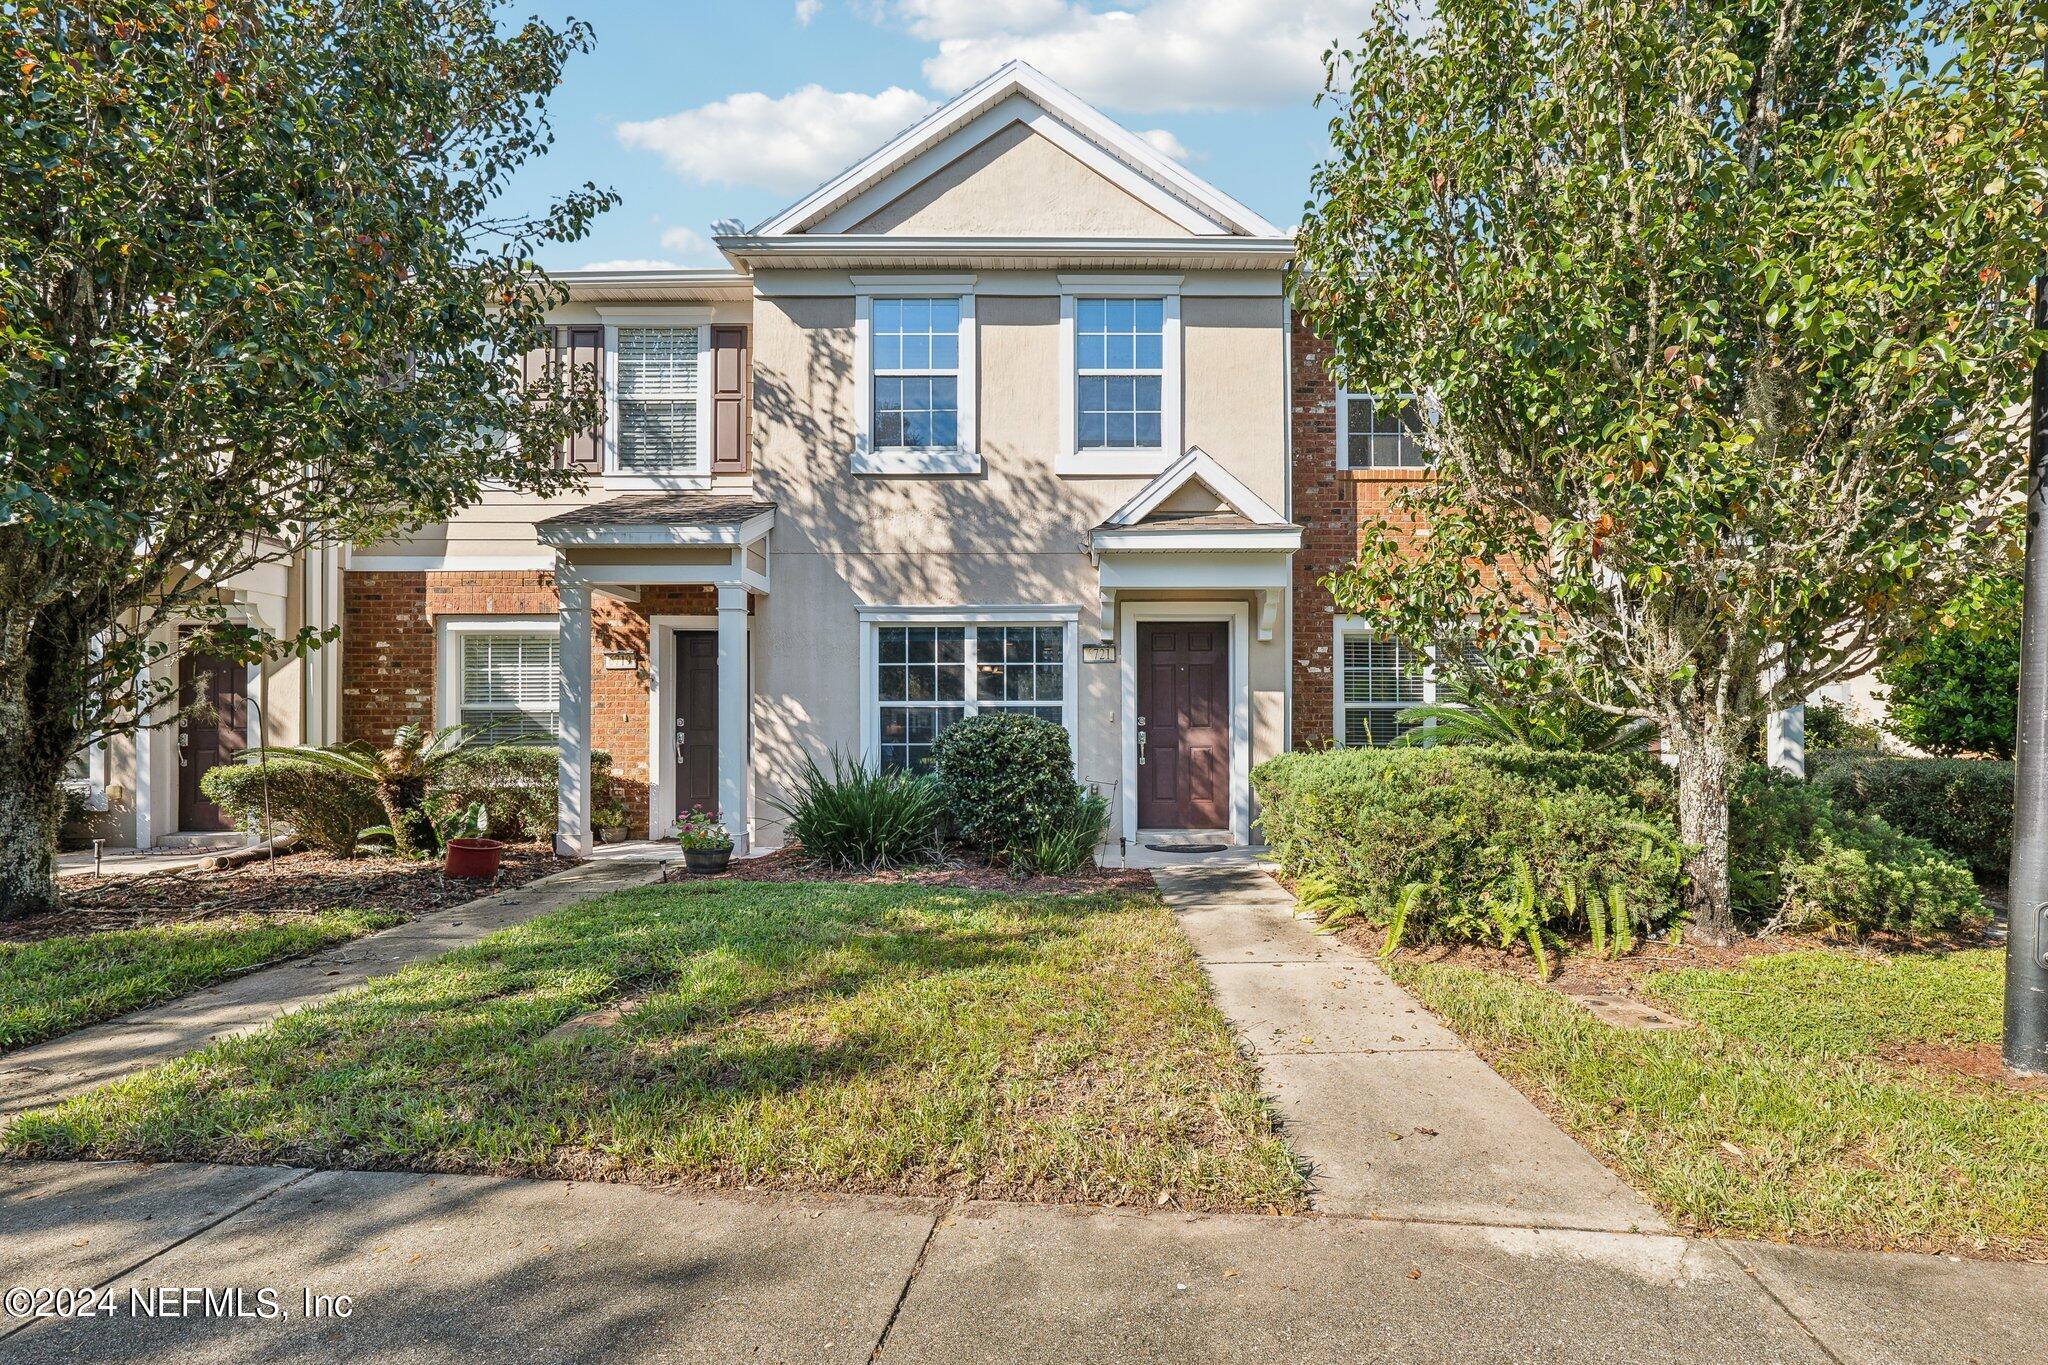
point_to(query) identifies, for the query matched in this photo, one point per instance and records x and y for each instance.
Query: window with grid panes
(657, 397)
(1119, 359)
(1381, 433)
(923, 674)
(915, 348)
(1382, 677)
(511, 683)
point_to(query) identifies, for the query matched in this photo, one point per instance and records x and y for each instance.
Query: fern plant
(1621, 933)
(1397, 918)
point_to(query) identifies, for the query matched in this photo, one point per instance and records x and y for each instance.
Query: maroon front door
(696, 720)
(1183, 725)
(211, 734)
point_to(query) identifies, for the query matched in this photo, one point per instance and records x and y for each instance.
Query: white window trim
(615, 318)
(1070, 460)
(1067, 618)
(1362, 625)
(449, 632)
(1343, 414)
(1238, 614)
(963, 458)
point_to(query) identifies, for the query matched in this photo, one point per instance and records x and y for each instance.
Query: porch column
(572, 766)
(1785, 740)
(735, 696)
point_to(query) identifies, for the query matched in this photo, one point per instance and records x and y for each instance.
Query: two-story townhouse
(997, 418)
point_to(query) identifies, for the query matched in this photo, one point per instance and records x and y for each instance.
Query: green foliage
(858, 816)
(398, 777)
(1803, 864)
(260, 293)
(327, 807)
(1830, 726)
(515, 782)
(1955, 689)
(1721, 322)
(1557, 721)
(1479, 842)
(699, 829)
(1067, 844)
(1963, 806)
(1007, 779)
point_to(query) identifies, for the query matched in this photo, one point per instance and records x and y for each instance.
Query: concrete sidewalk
(66, 1066)
(464, 1268)
(1394, 1115)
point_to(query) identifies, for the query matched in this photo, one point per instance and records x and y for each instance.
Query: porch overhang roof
(653, 519)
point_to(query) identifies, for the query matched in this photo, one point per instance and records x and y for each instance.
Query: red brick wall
(1330, 504)
(388, 655)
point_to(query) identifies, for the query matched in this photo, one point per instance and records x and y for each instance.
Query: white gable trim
(1136, 166)
(1197, 466)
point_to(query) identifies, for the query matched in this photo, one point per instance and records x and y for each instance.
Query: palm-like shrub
(1066, 843)
(858, 816)
(399, 775)
(1472, 715)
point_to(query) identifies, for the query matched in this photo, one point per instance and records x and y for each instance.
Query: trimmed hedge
(326, 807)
(1798, 862)
(1467, 823)
(1008, 780)
(1962, 806)
(515, 783)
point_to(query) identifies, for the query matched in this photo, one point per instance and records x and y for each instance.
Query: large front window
(916, 349)
(657, 401)
(1380, 677)
(928, 676)
(1120, 367)
(510, 685)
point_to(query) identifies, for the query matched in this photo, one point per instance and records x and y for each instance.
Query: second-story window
(657, 401)
(916, 350)
(1120, 367)
(1379, 433)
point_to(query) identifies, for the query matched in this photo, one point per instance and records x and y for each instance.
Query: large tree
(255, 294)
(1718, 315)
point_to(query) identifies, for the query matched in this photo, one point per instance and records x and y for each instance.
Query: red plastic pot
(471, 858)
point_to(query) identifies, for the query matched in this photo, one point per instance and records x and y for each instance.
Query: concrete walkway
(76, 1062)
(1395, 1116)
(467, 1269)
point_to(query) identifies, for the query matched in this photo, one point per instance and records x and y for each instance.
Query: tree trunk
(1704, 765)
(405, 810)
(31, 809)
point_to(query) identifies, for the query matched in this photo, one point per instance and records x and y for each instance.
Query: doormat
(1187, 848)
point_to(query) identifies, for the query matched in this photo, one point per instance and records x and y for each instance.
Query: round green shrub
(1008, 780)
(515, 783)
(1963, 806)
(326, 807)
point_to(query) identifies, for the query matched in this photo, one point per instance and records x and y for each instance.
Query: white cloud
(1165, 143)
(788, 143)
(939, 19)
(690, 247)
(630, 265)
(807, 10)
(1164, 55)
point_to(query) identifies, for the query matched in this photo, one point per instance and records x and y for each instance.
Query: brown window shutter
(729, 400)
(582, 349)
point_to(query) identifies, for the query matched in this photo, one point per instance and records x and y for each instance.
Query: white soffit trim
(1142, 171)
(1197, 466)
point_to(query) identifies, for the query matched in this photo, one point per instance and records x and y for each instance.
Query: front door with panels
(696, 724)
(1183, 734)
(213, 730)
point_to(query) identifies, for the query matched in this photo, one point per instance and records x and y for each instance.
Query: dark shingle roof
(664, 509)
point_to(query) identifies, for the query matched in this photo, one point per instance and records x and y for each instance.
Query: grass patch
(54, 985)
(845, 1036)
(1781, 1117)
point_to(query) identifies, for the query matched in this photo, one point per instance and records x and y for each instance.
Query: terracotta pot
(471, 858)
(706, 859)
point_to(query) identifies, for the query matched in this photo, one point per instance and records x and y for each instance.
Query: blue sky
(695, 112)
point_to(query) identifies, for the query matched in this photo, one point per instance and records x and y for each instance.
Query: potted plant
(466, 851)
(706, 845)
(611, 821)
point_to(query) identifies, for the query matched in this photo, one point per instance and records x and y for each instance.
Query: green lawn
(54, 985)
(1781, 1116)
(843, 1036)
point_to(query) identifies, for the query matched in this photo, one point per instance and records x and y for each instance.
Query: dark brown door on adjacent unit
(696, 738)
(1183, 724)
(211, 735)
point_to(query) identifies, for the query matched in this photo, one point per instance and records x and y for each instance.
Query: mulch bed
(296, 884)
(792, 865)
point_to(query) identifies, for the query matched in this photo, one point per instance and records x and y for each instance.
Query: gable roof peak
(1197, 466)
